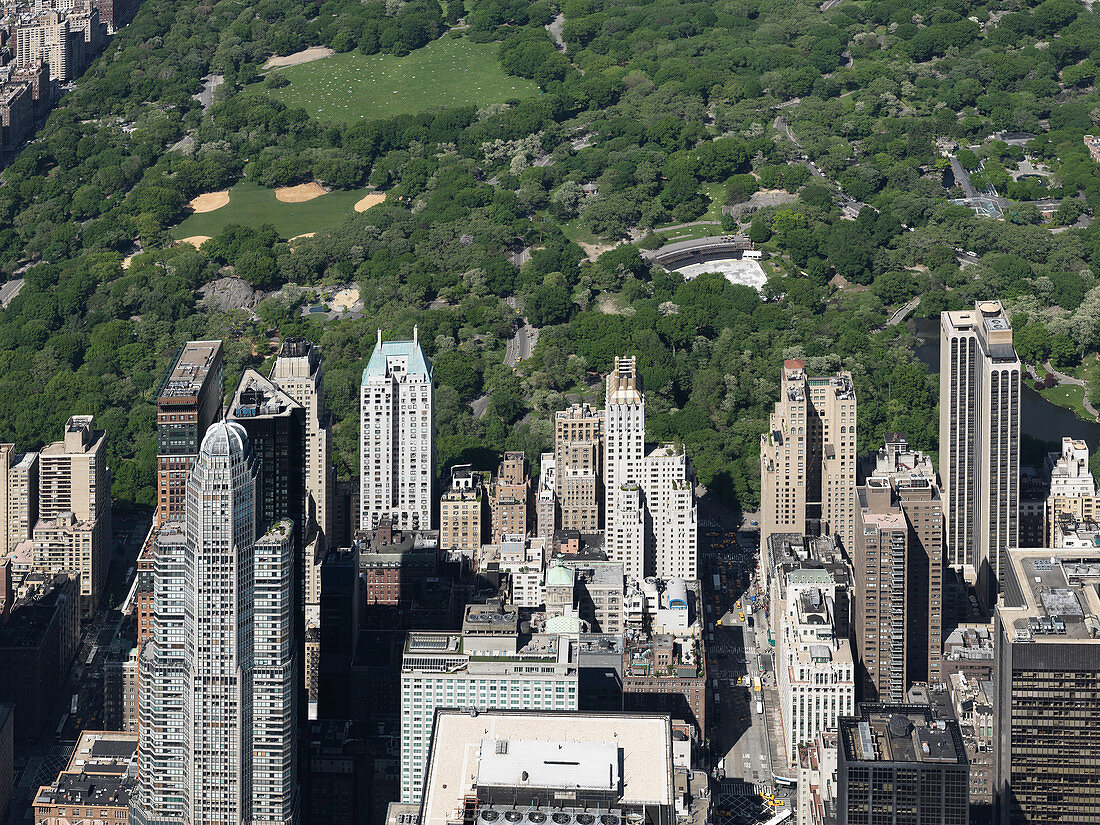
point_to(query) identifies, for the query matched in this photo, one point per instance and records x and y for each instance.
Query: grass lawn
(253, 205)
(717, 193)
(1069, 396)
(689, 233)
(575, 231)
(352, 86)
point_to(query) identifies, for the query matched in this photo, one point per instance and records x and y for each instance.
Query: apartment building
(463, 510)
(188, 402)
(95, 785)
(546, 502)
(808, 456)
(1073, 495)
(511, 502)
(672, 516)
(912, 479)
(624, 457)
(815, 671)
(979, 442)
(297, 372)
(578, 473)
(397, 437)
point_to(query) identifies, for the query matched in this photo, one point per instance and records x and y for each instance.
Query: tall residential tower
(624, 456)
(217, 694)
(397, 437)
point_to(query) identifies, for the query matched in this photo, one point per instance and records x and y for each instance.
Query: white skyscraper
(980, 441)
(217, 694)
(397, 436)
(624, 446)
(672, 514)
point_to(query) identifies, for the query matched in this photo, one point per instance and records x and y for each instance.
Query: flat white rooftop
(525, 763)
(464, 753)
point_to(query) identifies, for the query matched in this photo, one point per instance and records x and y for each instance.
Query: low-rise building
(392, 561)
(666, 673)
(968, 649)
(96, 784)
(551, 763)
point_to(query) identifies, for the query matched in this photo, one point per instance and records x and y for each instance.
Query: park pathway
(1067, 379)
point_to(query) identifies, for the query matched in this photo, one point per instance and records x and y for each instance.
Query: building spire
(416, 335)
(380, 337)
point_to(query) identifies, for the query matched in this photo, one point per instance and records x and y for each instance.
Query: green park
(351, 87)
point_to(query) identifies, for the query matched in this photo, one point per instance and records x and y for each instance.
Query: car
(738, 604)
(741, 617)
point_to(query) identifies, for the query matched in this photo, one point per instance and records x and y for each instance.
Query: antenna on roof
(380, 337)
(416, 334)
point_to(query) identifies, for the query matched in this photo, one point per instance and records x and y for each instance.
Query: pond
(1039, 418)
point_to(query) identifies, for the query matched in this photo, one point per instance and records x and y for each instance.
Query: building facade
(671, 514)
(578, 474)
(485, 667)
(979, 441)
(624, 460)
(462, 511)
(297, 372)
(397, 437)
(1072, 496)
(512, 497)
(1047, 689)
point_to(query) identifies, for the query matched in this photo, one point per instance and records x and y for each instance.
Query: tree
(1063, 352)
(549, 304)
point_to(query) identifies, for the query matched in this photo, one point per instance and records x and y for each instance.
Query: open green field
(352, 86)
(253, 205)
(1069, 396)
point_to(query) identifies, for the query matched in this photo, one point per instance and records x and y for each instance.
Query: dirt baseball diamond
(298, 58)
(210, 201)
(299, 194)
(370, 200)
(195, 240)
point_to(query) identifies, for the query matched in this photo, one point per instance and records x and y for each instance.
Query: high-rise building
(73, 532)
(815, 671)
(808, 457)
(463, 511)
(1073, 494)
(671, 514)
(578, 474)
(485, 667)
(1047, 688)
(899, 764)
(512, 497)
(909, 478)
(397, 436)
(189, 400)
(880, 562)
(276, 428)
(554, 766)
(218, 704)
(624, 458)
(297, 372)
(979, 441)
(19, 474)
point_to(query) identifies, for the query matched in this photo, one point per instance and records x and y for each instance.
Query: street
(745, 733)
(520, 345)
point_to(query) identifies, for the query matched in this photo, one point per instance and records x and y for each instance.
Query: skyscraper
(397, 436)
(624, 456)
(1046, 699)
(979, 441)
(297, 372)
(671, 514)
(808, 457)
(189, 400)
(217, 697)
